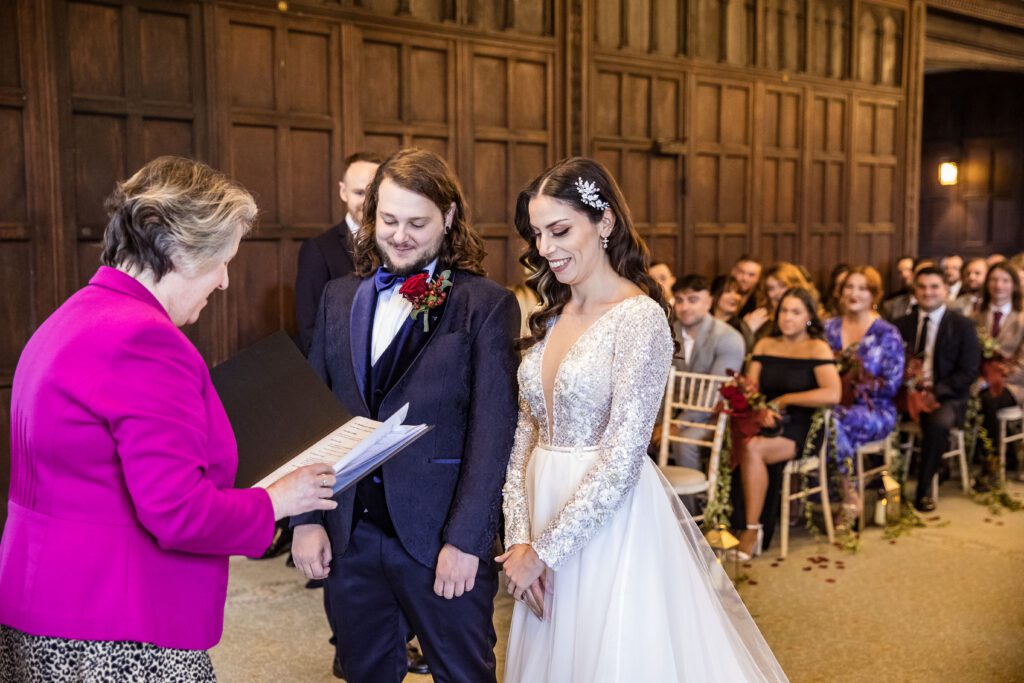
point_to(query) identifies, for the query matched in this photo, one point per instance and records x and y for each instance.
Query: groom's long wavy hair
(627, 251)
(426, 174)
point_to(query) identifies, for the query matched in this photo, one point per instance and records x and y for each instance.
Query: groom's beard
(417, 266)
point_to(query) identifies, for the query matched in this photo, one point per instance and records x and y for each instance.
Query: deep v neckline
(867, 330)
(549, 408)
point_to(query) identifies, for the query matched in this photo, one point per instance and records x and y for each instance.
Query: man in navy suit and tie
(411, 547)
(947, 343)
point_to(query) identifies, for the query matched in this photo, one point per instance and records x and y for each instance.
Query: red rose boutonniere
(425, 294)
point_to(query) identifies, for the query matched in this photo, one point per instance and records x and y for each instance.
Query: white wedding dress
(634, 591)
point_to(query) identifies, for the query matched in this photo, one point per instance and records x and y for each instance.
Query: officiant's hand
(311, 551)
(455, 573)
(306, 489)
(522, 567)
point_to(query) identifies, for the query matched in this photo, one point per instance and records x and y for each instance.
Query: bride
(626, 586)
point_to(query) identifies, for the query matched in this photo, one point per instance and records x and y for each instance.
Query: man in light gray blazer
(707, 345)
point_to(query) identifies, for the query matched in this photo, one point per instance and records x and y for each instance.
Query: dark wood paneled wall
(786, 128)
(973, 118)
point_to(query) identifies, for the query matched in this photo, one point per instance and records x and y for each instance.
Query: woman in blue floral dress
(860, 336)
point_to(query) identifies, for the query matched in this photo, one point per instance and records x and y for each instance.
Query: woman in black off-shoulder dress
(795, 370)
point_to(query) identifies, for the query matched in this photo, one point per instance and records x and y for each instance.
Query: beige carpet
(944, 603)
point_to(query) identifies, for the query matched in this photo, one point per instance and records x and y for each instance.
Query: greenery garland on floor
(846, 537)
(997, 497)
(718, 511)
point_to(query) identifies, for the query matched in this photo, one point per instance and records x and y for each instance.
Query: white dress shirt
(688, 344)
(934, 319)
(393, 310)
(353, 227)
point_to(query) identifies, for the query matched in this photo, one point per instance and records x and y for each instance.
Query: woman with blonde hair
(123, 510)
(776, 281)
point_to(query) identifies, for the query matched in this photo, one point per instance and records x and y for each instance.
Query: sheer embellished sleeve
(515, 507)
(642, 355)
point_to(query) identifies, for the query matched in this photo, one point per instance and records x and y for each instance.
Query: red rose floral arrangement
(857, 381)
(426, 294)
(915, 396)
(747, 408)
(994, 365)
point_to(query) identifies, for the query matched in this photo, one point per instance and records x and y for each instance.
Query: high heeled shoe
(738, 554)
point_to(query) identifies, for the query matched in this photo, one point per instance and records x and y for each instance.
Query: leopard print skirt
(26, 658)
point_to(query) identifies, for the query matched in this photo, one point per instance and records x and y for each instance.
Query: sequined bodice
(583, 386)
(606, 394)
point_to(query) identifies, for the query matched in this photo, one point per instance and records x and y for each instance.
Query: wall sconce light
(948, 172)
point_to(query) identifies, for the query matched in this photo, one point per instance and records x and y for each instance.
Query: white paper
(354, 449)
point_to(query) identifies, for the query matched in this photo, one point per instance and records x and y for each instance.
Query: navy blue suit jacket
(445, 487)
(956, 359)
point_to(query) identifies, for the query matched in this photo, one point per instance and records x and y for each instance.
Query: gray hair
(174, 214)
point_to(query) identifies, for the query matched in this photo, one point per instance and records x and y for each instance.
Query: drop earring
(604, 242)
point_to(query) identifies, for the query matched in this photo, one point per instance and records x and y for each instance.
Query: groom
(410, 547)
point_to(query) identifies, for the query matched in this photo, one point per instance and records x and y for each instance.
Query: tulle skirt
(645, 600)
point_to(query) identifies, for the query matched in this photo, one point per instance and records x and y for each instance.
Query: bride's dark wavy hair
(627, 251)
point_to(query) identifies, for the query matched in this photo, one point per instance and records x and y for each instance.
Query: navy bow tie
(384, 279)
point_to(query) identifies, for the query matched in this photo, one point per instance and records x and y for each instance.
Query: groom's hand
(456, 572)
(311, 551)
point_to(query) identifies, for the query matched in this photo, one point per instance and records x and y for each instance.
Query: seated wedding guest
(747, 272)
(947, 344)
(662, 274)
(778, 279)
(871, 360)
(952, 269)
(329, 254)
(905, 268)
(1001, 318)
(707, 345)
(726, 299)
(122, 515)
(969, 300)
(796, 371)
(905, 303)
(833, 295)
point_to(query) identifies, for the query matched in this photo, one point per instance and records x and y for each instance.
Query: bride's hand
(522, 567)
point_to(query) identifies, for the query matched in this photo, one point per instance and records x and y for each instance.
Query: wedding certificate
(356, 448)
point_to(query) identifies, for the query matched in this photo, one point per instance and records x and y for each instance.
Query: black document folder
(277, 405)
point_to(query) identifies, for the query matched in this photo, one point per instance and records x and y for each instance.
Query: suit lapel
(360, 327)
(1009, 330)
(701, 340)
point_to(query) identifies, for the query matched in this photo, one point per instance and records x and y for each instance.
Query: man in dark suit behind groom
(413, 544)
(947, 342)
(331, 253)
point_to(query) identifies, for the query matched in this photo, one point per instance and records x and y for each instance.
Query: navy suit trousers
(378, 593)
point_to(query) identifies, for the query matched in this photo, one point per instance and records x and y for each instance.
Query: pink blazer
(121, 513)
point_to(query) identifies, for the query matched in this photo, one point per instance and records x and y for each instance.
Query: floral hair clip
(589, 195)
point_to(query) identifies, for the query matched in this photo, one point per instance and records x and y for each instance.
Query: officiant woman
(122, 515)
